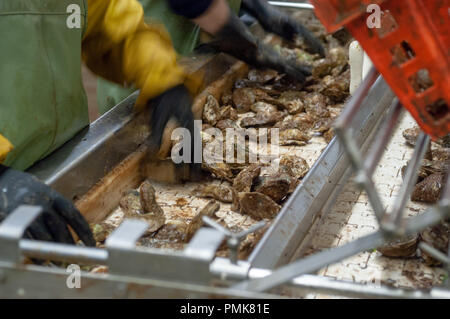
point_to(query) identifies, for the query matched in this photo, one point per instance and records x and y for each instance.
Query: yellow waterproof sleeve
(5, 148)
(119, 46)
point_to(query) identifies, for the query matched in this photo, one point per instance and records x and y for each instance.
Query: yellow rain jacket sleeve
(5, 148)
(119, 46)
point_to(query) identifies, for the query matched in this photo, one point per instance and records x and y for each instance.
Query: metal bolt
(234, 239)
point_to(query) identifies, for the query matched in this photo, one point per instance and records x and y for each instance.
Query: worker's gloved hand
(19, 188)
(281, 24)
(237, 40)
(174, 104)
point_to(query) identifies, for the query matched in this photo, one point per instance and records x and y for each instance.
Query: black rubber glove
(19, 188)
(237, 40)
(175, 103)
(281, 24)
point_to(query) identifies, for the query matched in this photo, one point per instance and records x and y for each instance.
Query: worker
(43, 100)
(182, 18)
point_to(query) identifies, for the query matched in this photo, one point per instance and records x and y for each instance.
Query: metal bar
(13, 228)
(394, 220)
(361, 178)
(383, 138)
(324, 285)
(320, 187)
(294, 5)
(63, 252)
(434, 253)
(30, 281)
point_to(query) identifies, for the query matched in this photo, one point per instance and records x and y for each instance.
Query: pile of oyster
(261, 99)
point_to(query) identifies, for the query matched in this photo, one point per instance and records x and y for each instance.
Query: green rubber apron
(43, 103)
(184, 35)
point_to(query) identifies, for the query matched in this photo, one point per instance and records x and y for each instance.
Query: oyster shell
(258, 206)
(276, 186)
(262, 118)
(211, 113)
(429, 190)
(143, 206)
(297, 165)
(196, 223)
(405, 247)
(437, 237)
(221, 193)
(244, 180)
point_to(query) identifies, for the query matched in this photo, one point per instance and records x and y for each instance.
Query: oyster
(244, 180)
(148, 200)
(262, 118)
(244, 98)
(445, 141)
(336, 88)
(101, 231)
(196, 223)
(411, 135)
(300, 121)
(258, 206)
(143, 206)
(227, 123)
(437, 237)
(428, 168)
(219, 192)
(316, 105)
(211, 113)
(297, 165)
(172, 236)
(328, 135)
(228, 112)
(227, 98)
(441, 154)
(323, 125)
(405, 247)
(276, 186)
(292, 101)
(263, 107)
(219, 170)
(262, 76)
(428, 190)
(293, 137)
(336, 60)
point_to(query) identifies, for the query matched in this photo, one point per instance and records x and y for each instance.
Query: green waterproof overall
(43, 103)
(184, 35)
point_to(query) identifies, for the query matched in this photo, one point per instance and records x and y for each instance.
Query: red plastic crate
(411, 48)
